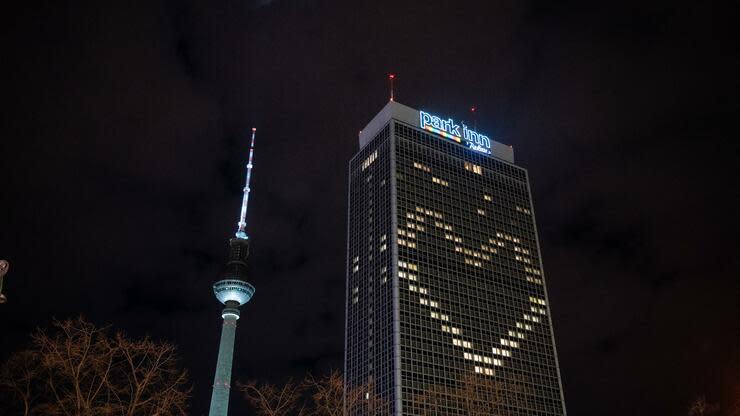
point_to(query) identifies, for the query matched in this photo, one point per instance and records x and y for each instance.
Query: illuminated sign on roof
(459, 133)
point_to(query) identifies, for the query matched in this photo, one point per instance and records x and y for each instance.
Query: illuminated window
(487, 249)
(418, 165)
(497, 242)
(533, 271)
(537, 300)
(408, 234)
(440, 181)
(473, 262)
(516, 334)
(409, 244)
(502, 352)
(370, 159)
(453, 238)
(521, 250)
(461, 343)
(483, 370)
(442, 225)
(487, 197)
(481, 212)
(413, 226)
(473, 168)
(509, 343)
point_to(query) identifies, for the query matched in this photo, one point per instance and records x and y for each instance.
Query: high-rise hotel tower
(447, 312)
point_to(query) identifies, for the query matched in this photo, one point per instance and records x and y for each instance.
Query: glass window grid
(486, 302)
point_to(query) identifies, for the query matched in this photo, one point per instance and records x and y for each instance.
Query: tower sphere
(233, 290)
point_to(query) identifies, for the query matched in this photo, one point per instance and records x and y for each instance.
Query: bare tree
(433, 399)
(735, 405)
(315, 396)
(149, 381)
(76, 369)
(270, 400)
(327, 393)
(474, 394)
(331, 397)
(700, 407)
(481, 395)
(17, 376)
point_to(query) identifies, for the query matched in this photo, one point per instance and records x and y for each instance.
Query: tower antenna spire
(391, 78)
(241, 230)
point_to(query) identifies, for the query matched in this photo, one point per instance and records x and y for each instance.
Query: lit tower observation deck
(233, 291)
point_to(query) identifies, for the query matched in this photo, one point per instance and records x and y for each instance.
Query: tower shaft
(222, 379)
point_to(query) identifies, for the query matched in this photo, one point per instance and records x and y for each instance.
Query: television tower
(233, 291)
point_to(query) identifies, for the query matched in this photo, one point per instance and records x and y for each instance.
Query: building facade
(447, 311)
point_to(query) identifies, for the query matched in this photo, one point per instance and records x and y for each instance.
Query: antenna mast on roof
(391, 78)
(241, 231)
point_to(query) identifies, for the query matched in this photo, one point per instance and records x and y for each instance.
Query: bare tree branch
(78, 370)
(700, 407)
(269, 400)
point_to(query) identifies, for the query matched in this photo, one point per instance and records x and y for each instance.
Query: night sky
(125, 137)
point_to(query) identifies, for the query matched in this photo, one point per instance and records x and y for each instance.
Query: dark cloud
(124, 147)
